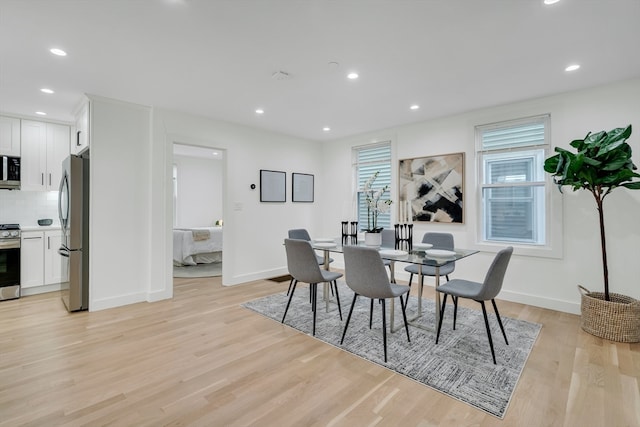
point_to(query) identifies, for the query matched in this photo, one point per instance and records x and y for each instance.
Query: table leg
(325, 289)
(392, 280)
(437, 294)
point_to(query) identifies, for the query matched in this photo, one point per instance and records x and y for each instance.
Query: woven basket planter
(614, 320)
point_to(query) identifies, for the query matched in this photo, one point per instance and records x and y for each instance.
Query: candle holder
(349, 232)
(404, 236)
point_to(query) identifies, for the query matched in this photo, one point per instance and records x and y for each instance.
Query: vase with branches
(375, 203)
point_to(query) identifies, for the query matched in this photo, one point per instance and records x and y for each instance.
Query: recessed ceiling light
(551, 1)
(58, 52)
(352, 76)
(414, 107)
(259, 111)
(572, 67)
(45, 90)
(41, 113)
(326, 128)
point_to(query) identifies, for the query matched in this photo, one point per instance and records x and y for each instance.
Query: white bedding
(187, 251)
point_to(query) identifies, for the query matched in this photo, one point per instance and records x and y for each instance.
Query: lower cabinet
(40, 262)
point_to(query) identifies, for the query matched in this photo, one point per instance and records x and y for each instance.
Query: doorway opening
(198, 187)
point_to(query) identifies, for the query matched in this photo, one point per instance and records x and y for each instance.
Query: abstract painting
(431, 188)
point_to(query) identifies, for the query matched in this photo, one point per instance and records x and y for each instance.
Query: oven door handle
(10, 244)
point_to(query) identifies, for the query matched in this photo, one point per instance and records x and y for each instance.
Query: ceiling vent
(281, 75)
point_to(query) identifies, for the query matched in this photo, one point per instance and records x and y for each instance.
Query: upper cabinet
(80, 140)
(44, 147)
(9, 136)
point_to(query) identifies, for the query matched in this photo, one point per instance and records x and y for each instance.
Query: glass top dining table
(417, 256)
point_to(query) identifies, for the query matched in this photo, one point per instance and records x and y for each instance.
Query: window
(512, 181)
(367, 161)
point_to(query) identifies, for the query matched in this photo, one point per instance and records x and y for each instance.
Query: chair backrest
(495, 275)
(364, 272)
(302, 262)
(388, 238)
(300, 234)
(439, 240)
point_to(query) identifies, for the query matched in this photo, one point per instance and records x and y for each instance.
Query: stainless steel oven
(9, 261)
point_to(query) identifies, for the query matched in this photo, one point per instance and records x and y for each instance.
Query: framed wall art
(301, 187)
(273, 186)
(431, 189)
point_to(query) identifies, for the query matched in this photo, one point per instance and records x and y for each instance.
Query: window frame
(357, 187)
(552, 246)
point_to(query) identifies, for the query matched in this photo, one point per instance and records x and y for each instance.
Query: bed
(201, 245)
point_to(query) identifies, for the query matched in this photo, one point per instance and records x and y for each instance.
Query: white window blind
(369, 160)
(512, 182)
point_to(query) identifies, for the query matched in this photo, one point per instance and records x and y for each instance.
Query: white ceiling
(216, 58)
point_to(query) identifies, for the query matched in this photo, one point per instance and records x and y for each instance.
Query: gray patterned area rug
(460, 366)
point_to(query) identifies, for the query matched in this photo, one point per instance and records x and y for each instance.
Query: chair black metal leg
(295, 282)
(455, 310)
(495, 308)
(444, 304)
(290, 284)
(346, 325)
(384, 327)
(314, 296)
(335, 285)
(404, 316)
(371, 314)
(486, 323)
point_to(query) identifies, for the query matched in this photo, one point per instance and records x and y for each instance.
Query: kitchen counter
(37, 227)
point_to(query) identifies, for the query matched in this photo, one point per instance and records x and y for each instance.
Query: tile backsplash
(27, 207)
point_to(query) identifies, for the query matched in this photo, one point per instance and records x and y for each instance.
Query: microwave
(10, 172)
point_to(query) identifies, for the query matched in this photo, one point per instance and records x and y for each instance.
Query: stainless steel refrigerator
(73, 210)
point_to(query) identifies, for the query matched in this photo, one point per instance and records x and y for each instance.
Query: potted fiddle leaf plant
(600, 164)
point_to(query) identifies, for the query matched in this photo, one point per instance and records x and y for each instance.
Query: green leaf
(632, 185)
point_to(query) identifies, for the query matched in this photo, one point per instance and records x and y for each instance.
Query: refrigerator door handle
(63, 221)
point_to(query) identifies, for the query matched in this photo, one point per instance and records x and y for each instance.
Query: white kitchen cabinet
(32, 259)
(44, 147)
(40, 262)
(53, 272)
(80, 140)
(9, 136)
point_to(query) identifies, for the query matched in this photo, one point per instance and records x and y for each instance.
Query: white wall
(254, 231)
(200, 181)
(132, 197)
(120, 211)
(545, 282)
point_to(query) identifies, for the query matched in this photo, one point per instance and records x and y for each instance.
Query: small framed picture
(273, 186)
(302, 187)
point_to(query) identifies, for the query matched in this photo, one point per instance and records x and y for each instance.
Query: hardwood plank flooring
(202, 360)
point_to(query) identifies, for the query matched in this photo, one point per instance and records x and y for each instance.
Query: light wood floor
(201, 359)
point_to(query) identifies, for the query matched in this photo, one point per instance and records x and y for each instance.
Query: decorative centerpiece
(375, 206)
(602, 163)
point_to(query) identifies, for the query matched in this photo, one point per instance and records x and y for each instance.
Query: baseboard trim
(262, 275)
(103, 304)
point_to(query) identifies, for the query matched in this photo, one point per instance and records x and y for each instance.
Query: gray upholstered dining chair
(480, 292)
(303, 267)
(365, 275)
(439, 241)
(303, 234)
